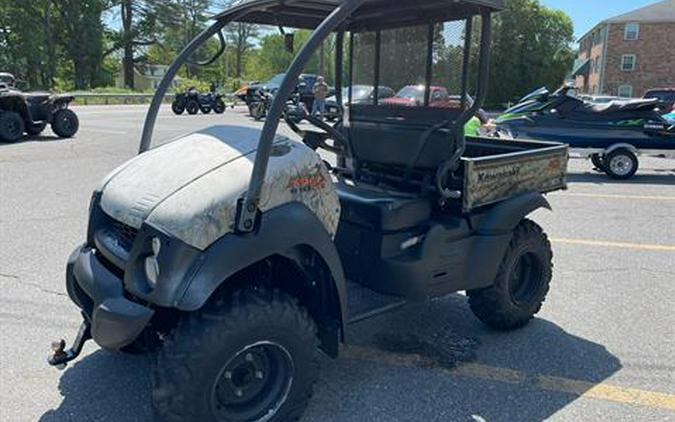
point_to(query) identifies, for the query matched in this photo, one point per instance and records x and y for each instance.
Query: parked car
(361, 94)
(413, 96)
(666, 97)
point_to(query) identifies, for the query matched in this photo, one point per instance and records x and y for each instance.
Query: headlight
(152, 271)
(152, 264)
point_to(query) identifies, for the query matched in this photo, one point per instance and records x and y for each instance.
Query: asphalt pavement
(602, 349)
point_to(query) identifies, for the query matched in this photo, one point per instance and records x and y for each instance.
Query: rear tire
(192, 107)
(65, 123)
(11, 126)
(621, 164)
(252, 357)
(522, 282)
(205, 109)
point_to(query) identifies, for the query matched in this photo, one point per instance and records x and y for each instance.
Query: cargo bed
(497, 169)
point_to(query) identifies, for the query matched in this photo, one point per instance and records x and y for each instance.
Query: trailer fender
(505, 216)
(615, 147)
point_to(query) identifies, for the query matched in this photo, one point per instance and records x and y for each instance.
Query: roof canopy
(373, 14)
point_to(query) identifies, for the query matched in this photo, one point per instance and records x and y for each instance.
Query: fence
(91, 98)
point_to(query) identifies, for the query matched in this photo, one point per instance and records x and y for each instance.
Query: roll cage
(326, 17)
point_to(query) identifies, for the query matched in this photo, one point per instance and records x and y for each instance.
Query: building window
(628, 62)
(625, 91)
(632, 31)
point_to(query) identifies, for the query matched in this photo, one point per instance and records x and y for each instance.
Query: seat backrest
(393, 134)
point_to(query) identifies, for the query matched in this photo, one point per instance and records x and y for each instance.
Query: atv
(30, 113)
(234, 251)
(193, 101)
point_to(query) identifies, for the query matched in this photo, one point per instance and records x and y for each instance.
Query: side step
(365, 303)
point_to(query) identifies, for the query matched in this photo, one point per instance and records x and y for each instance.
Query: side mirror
(289, 40)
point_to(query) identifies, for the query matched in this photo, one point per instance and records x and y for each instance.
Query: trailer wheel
(598, 161)
(521, 284)
(65, 123)
(253, 357)
(621, 164)
(11, 126)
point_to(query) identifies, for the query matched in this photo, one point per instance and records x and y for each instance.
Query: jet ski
(612, 134)
(563, 117)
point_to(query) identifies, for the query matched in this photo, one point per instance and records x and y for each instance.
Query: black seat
(382, 211)
(622, 106)
(394, 135)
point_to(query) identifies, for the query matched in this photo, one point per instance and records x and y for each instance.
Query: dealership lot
(602, 349)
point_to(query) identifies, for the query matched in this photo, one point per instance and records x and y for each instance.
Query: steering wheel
(316, 140)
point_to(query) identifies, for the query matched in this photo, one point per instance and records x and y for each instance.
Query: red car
(413, 96)
(666, 97)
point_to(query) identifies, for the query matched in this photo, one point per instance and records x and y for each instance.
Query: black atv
(30, 113)
(193, 101)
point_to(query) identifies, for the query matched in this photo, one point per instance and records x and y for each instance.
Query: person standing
(320, 91)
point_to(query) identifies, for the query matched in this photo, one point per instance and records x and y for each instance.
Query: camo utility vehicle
(236, 251)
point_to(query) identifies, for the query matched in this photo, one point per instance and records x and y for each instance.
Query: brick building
(629, 54)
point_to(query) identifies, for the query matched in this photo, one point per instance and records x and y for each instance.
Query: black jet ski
(563, 117)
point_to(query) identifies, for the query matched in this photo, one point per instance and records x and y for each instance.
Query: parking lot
(601, 350)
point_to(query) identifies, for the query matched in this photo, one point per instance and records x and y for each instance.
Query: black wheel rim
(254, 384)
(526, 279)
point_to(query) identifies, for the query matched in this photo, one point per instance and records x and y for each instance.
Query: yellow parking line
(609, 196)
(598, 391)
(622, 245)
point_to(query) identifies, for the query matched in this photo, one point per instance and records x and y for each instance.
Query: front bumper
(115, 320)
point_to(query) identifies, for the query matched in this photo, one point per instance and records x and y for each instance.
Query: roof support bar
(248, 206)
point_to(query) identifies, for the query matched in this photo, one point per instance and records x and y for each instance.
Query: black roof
(373, 14)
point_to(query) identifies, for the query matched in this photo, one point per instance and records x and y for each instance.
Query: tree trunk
(128, 57)
(49, 42)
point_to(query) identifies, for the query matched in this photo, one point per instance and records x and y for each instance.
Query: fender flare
(505, 216)
(282, 229)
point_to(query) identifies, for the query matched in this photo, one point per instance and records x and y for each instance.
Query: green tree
(531, 48)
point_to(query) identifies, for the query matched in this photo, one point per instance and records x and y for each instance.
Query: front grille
(124, 234)
(114, 240)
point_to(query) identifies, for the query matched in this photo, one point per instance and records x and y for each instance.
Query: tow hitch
(60, 356)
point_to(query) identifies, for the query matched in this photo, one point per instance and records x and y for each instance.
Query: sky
(588, 13)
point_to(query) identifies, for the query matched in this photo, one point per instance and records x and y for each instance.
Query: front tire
(522, 282)
(253, 357)
(621, 164)
(11, 126)
(65, 123)
(177, 108)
